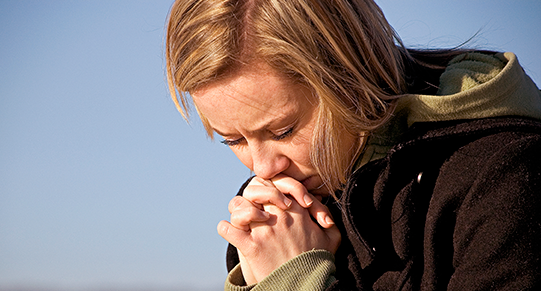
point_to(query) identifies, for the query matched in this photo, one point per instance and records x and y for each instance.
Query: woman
(376, 167)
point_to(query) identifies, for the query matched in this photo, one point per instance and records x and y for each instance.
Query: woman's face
(267, 120)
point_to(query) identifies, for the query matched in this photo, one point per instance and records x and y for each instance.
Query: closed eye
(231, 143)
(235, 142)
(283, 135)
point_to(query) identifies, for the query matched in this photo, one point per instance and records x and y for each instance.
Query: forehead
(251, 98)
(250, 88)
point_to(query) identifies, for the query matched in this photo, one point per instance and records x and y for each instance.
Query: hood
(476, 85)
(473, 86)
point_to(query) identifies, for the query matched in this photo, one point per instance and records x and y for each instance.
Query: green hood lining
(474, 85)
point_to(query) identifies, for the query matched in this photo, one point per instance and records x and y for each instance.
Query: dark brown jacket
(454, 206)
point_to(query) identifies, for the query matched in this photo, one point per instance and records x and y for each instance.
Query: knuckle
(238, 219)
(272, 209)
(256, 181)
(235, 203)
(245, 216)
(252, 212)
(299, 187)
(248, 191)
(263, 182)
(262, 195)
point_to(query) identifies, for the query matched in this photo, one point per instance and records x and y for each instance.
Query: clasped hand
(274, 221)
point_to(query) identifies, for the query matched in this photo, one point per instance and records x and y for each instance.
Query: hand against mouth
(273, 222)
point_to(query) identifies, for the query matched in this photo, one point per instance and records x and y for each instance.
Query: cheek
(299, 154)
(305, 152)
(301, 146)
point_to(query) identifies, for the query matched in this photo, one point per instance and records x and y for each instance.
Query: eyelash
(231, 143)
(284, 134)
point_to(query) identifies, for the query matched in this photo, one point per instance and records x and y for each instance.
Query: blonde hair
(344, 50)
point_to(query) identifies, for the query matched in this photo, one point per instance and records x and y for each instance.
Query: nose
(268, 161)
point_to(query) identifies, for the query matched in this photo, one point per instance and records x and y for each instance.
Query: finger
(296, 189)
(232, 234)
(322, 214)
(317, 211)
(259, 193)
(243, 217)
(239, 202)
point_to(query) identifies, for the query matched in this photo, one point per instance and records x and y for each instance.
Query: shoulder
(507, 152)
(486, 198)
(494, 159)
(497, 223)
(507, 149)
(495, 178)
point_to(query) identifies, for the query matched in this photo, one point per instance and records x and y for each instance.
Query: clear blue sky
(102, 183)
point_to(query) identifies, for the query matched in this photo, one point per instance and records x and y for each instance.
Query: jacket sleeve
(497, 236)
(311, 270)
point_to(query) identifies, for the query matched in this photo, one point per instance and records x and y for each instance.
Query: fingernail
(328, 220)
(287, 202)
(308, 200)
